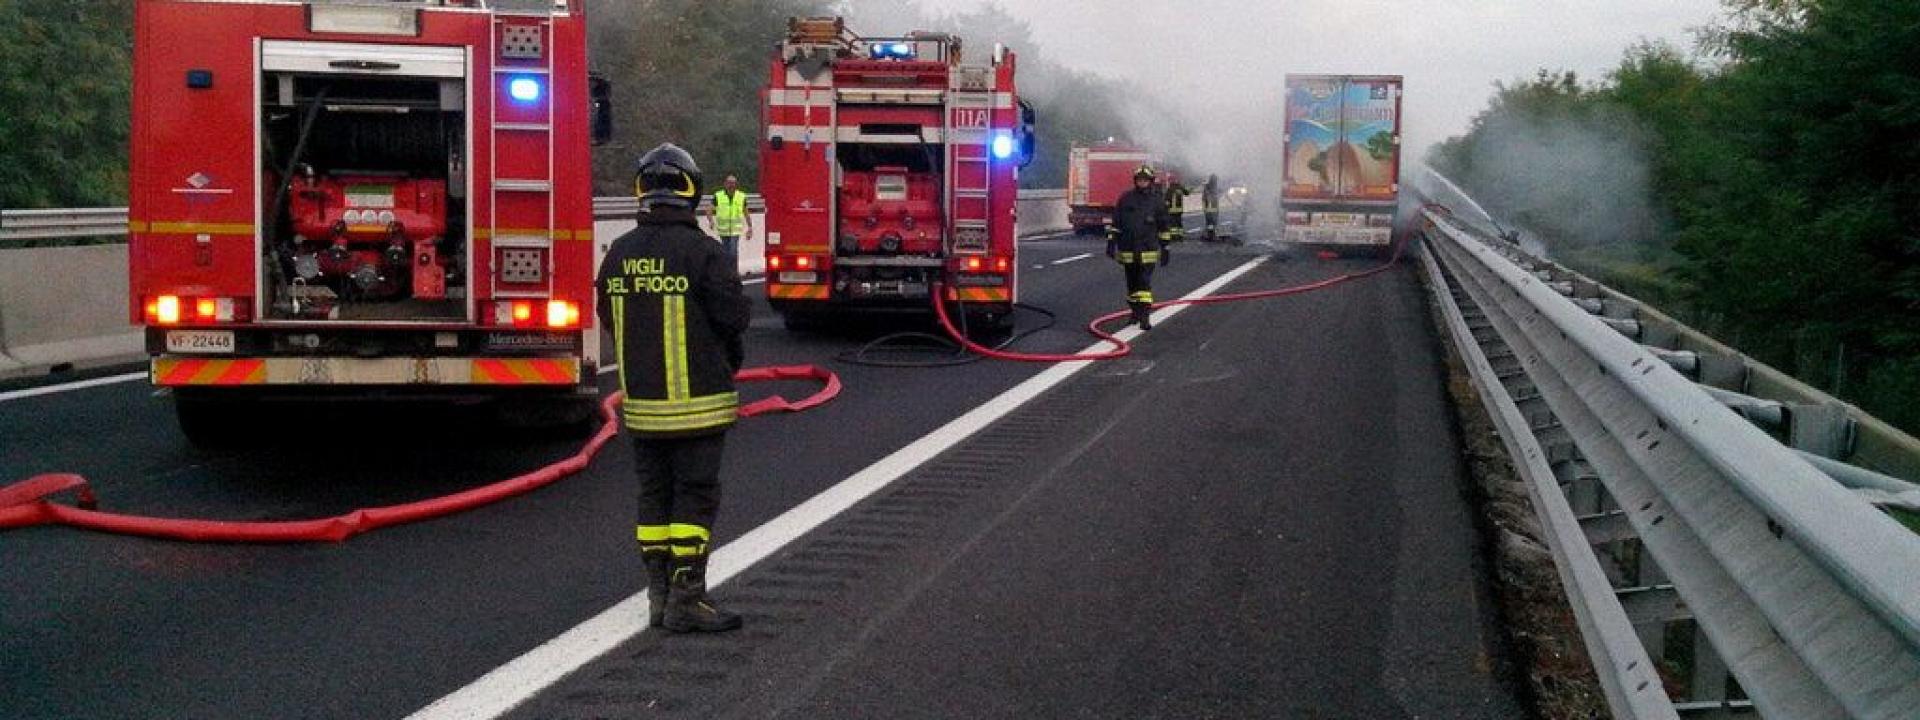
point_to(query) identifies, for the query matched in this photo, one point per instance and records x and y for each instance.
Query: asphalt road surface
(1257, 515)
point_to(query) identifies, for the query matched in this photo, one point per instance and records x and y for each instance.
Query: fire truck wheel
(214, 423)
(800, 322)
(990, 328)
(560, 418)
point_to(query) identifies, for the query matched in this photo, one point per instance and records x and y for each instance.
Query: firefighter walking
(729, 216)
(673, 301)
(1210, 204)
(1137, 239)
(1176, 196)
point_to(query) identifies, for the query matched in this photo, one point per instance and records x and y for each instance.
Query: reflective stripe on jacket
(673, 301)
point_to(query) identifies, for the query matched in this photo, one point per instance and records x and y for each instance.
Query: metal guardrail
(1660, 505)
(107, 222)
(62, 223)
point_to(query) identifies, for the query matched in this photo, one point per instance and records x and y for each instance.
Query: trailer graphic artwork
(1342, 159)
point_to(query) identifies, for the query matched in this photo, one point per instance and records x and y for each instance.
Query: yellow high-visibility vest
(729, 213)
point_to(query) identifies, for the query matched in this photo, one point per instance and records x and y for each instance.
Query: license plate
(799, 278)
(1338, 219)
(200, 341)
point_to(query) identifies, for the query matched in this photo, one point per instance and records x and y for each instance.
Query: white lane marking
(66, 387)
(506, 687)
(754, 281)
(1065, 260)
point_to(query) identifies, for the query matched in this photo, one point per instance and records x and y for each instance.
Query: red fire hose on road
(25, 503)
(1121, 347)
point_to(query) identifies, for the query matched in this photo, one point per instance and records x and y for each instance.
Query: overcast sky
(1233, 52)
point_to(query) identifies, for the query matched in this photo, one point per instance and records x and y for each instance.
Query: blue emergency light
(524, 89)
(1002, 146)
(899, 51)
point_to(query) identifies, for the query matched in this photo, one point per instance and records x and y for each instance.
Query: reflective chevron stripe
(797, 292)
(168, 371)
(531, 371)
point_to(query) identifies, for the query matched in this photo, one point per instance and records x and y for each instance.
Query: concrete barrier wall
(66, 306)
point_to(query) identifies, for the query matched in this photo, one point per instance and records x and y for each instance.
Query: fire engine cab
(890, 167)
(363, 199)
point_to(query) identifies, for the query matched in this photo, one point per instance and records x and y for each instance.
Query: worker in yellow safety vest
(729, 216)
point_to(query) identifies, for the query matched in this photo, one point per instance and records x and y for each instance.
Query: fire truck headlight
(1002, 146)
(524, 89)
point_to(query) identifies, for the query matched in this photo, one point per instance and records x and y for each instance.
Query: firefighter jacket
(1176, 199)
(672, 299)
(1139, 216)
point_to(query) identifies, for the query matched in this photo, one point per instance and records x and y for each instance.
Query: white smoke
(1577, 182)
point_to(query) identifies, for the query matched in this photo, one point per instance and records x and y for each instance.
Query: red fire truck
(374, 200)
(1097, 175)
(890, 167)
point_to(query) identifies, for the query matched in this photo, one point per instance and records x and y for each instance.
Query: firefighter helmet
(667, 175)
(1144, 171)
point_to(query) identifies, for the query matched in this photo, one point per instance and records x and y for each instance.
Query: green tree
(688, 72)
(64, 81)
(1787, 176)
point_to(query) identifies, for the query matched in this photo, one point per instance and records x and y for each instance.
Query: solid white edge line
(66, 387)
(1065, 260)
(754, 281)
(506, 687)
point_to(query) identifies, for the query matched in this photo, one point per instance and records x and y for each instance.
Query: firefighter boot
(659, 572)
(688, 607)
(1142, 315)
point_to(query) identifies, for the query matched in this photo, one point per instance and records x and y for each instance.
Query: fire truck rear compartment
(890, 243)
(364, 199)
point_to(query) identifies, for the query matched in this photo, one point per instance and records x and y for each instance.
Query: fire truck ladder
(970, 231)
(521, 41)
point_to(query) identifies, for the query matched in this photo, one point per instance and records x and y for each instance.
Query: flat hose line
(26, 503)
(1122, 348)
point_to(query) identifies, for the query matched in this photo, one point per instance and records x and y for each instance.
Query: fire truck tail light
(974, 264)
(514, 313)
(1001, 264)
(175, 310)
(803, 262)
(562, 314)
(164, 310)
(775, 261)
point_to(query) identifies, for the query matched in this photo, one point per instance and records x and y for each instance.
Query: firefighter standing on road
(673, 301)
(1137, 240)
(729, 216)
(1210, 202)
(1176, 206)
